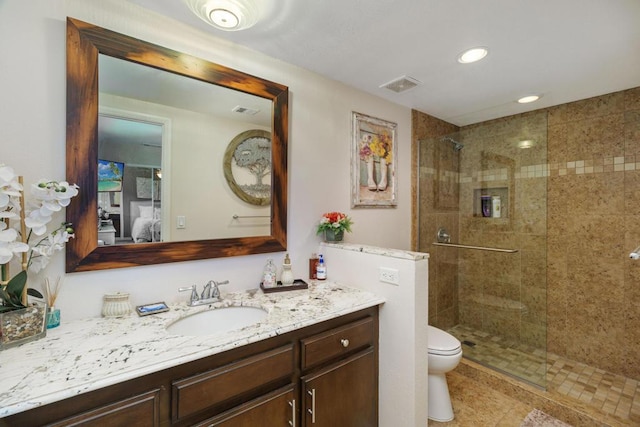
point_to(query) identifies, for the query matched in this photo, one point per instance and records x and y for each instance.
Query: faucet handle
(215, 291)
(194, 293)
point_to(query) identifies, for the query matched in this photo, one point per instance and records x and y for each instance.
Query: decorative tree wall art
(247, 166)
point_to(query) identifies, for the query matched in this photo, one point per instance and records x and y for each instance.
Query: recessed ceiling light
(529, 98)
(472, 55)
(227, 15)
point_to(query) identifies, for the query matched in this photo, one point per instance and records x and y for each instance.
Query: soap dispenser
(287, 275)
(269, 274)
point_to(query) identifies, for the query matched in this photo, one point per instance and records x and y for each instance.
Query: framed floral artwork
(373, 159)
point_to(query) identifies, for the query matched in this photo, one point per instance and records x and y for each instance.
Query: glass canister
(116, 305)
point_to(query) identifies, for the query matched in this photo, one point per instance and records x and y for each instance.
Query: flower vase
(333, 235)
(24, 325)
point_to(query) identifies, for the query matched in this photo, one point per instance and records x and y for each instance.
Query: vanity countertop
(85, 355)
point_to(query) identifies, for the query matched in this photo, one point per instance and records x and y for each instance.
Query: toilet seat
(442, 343)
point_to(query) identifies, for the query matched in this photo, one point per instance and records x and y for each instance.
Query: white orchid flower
(49, 197)
(9, 186)
(8, 250)
(8, 244)
(7, 234)
(38, 263)
(42, 252)
(58, 193)
(37, 222)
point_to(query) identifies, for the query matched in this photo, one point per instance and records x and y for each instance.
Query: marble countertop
(85, 355)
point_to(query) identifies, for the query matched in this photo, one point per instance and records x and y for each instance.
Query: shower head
(456, 145)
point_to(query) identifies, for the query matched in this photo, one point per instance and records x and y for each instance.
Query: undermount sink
(217, 320)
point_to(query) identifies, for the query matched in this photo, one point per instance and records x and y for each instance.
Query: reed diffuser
(51, 294)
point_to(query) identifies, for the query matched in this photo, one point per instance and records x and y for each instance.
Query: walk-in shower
(487, 279)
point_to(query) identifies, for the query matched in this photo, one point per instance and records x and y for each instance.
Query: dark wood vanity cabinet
(321, 375)
(340, 376)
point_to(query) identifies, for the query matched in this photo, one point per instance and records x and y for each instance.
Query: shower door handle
(480, 248)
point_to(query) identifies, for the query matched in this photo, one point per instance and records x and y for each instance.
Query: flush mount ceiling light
(529, 98)
(472, 55)
(226, 15)
(401, 84)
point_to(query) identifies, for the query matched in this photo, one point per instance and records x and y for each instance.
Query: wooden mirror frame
(84, 43)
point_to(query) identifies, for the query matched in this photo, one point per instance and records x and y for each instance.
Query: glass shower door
(499, 297)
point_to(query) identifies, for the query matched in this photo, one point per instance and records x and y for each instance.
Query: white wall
(32, 124)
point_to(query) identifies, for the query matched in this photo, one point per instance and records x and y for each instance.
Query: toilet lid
(443, 343)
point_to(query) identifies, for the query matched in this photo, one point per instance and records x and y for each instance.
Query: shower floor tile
(604, 391)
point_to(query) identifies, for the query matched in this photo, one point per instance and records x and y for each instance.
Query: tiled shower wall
(593, 222)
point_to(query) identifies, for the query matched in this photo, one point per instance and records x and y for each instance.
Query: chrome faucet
(210, 293)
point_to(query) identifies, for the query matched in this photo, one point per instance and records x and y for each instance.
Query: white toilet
(445, 353)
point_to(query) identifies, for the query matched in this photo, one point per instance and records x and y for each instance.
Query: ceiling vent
(244, 110)
(401, 84)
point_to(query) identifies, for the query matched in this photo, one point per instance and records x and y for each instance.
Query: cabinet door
(342, 394)
(274, 409)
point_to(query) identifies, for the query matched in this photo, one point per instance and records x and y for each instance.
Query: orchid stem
(23, 232)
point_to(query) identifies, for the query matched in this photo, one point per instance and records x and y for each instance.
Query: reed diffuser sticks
(51, 292)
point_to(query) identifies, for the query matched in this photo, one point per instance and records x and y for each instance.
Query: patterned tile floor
(604, 391)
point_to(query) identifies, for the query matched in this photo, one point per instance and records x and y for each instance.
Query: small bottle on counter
(321, 269)
(287, 276)
(313, 267)
(269, 274)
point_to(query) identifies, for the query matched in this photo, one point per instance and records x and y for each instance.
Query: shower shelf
(503, 192)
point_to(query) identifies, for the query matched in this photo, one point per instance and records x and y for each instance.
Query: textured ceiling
(565, 50)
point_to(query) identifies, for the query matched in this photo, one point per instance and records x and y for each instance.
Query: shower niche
(484, 203)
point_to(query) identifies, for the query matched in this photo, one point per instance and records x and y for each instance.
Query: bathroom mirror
(85, 44)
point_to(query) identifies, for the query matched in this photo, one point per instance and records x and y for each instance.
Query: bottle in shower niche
(321, 269)
(486, 206)
(496, 206)
(269, 274)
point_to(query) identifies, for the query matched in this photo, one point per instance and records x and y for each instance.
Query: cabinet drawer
(199, 392)
(277, 408)
(137, 411)
(337, 342)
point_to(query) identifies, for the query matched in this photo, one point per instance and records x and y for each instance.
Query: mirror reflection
(161, 147)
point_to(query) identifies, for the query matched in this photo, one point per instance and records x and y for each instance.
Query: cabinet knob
(344, 342)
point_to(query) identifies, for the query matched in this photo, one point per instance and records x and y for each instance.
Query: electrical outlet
(389, 275)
